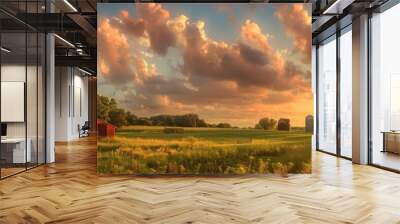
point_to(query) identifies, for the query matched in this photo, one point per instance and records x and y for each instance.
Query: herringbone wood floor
(70, 191)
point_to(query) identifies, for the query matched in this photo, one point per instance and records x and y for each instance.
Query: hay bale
(283, 124)
(174, 130)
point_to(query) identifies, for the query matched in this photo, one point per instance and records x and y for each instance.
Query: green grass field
(148, 150)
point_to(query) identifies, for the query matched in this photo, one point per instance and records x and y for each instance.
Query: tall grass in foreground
(191, 155)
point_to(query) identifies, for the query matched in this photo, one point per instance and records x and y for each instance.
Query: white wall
(80, 109)
(62, 81)
(71, 94)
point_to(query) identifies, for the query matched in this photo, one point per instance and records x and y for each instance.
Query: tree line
(108, 110)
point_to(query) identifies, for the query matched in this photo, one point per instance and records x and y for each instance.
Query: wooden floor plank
(70, 191)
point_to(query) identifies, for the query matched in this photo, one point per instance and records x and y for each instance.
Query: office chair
(84, 130)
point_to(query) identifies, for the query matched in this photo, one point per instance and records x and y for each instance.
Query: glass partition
(13, 114)
(41, 96)
(22, 88)
(346, 93)
(327, 95)
(385, 89)
(31, 98)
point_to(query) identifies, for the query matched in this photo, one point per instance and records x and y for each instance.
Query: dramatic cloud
(210, 77)
(297, 23)
(155, 17)
(130, 25)
(239, 63)
(251, 32)
(252, 55)
(115, 54)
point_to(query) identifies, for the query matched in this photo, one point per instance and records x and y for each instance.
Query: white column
(50, 100)
(50, 92)
(360, 89)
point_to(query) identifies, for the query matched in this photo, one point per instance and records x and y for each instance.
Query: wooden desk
(391, 141)
(13, 150)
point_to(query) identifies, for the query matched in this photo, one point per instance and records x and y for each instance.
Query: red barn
(105, 129)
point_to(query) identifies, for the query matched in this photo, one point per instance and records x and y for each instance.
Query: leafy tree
(258, 126)
(143, 121)
(186, 120)
(191, 120)
(224, 125)
(163, 120)
(170, 121)
(102, 107)
(130, 118)
(201, 123)
(113, 104)
(267, 123)
(108, 110)
(117, 117)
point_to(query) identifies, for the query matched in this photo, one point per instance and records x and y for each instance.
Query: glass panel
(41, 99)
(385, 89)
(31, 98)
(23, 90)
(13, 86)
(327, 96)
(346, 94)
(32, 88)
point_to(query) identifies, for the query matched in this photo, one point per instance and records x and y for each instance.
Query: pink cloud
(132, 26)
(115, 53)
(156, 18)
(297, 22)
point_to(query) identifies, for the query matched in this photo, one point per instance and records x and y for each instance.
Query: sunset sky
(232, 63)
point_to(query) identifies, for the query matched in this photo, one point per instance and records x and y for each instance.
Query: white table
(19, 153)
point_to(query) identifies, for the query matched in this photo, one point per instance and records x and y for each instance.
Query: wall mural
(206, 89)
